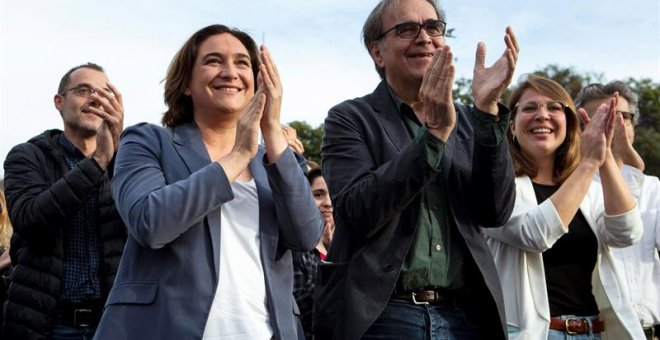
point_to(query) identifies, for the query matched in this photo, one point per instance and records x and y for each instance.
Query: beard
(82, 127)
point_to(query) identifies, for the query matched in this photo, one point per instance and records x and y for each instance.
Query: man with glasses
(68, 236)
(413, 176)
(639, 263)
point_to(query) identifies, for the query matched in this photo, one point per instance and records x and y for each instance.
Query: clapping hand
(488, 83)
(111, 110)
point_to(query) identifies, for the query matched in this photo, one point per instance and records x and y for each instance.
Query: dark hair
(598, 91)
(313, 173)
(568, 154)
(64, 82)
(373, 28)
(179, 105)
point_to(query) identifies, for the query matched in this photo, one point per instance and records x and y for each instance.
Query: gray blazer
(375, 174)
(169, 194)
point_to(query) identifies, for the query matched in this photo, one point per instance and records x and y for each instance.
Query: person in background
(412, 176)
(68, 238)
(305, 264)
(554, 256)
(291, 136)
(212, 216)
(5, 260)
(639, 263)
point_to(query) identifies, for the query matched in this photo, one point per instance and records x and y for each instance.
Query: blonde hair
(5, 224)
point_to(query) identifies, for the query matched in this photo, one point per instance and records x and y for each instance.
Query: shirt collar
(405, 110)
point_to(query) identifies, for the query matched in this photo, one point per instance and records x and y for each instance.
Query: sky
(316, 45)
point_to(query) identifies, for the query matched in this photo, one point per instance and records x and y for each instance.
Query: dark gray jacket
(375, 174)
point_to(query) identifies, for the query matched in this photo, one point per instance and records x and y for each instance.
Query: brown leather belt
(423, 297)
(576, 325)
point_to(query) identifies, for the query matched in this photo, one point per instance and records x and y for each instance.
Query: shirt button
(437, 247)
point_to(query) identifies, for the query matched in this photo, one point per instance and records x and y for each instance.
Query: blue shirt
(81, 244)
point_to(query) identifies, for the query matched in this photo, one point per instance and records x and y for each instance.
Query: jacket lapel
(393, 124)
(268, 232)
(189, 145)
(536, 271)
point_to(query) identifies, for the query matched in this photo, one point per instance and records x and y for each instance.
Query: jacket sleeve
(532, 227)
(157, 212)
(368, 195)
(492, 193)
(300, 222)
(616, 231)
(38, 205)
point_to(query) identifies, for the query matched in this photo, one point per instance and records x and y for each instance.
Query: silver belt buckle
(417, 302)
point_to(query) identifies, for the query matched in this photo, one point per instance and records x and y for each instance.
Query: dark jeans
(404, 320)
(63, 332)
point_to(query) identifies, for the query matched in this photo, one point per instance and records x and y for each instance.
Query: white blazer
(640, 263)
(533, 228)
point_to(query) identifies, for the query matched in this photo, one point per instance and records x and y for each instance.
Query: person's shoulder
(37, 144)
(366, 101)
(354, 104)
(145, 126)
(651, 184)
(144, 130)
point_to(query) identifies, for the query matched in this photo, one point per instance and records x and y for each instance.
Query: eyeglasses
(84, 91)
(628, 117)
(531, 107)
(410, 30)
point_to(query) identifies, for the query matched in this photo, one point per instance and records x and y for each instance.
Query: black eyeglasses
(84, 90)
(410, 30)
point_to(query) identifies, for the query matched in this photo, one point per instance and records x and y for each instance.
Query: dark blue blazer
(169, 194)
(375, 174)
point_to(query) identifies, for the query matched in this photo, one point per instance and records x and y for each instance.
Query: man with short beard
(68, 237)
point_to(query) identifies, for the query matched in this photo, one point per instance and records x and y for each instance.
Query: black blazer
(375, 174)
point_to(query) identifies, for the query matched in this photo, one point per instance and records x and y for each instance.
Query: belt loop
(591, 328)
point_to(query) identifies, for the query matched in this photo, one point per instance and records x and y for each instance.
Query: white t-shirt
(239, 309)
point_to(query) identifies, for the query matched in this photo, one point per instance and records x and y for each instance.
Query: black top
(569, 265)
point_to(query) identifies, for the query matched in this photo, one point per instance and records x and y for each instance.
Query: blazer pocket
(139, 292)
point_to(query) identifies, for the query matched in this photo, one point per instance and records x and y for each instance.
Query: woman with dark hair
(212, 215)
(305, 265)
(553, 256)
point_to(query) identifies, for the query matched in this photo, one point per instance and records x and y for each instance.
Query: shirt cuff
(434, 147)
(489, 129)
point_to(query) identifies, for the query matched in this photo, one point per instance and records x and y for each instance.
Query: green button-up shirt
(436, 257)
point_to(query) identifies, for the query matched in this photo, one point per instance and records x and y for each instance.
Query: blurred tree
(572, 81)
(462, 91)
(310, 138)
